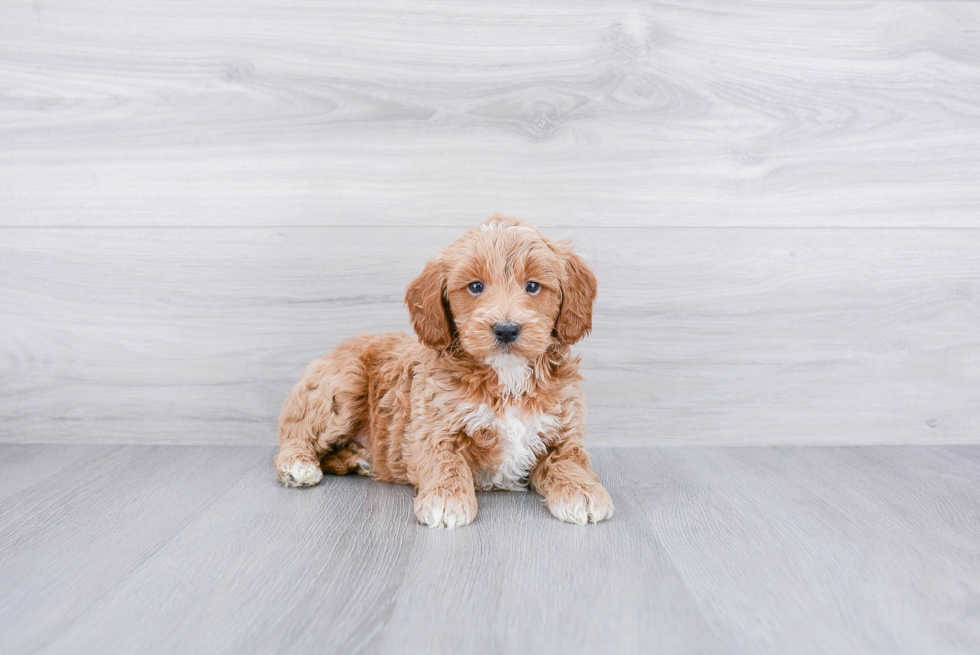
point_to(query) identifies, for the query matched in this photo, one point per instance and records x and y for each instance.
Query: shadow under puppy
(488, 397)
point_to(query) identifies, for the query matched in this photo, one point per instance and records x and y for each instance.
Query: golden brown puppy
(488, 397)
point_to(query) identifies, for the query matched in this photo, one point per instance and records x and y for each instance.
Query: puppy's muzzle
(506, 333)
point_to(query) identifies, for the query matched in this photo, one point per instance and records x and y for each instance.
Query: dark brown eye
(532, 287)
(476, 288)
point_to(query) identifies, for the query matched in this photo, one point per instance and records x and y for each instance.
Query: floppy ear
(578, 290)
(428, 307)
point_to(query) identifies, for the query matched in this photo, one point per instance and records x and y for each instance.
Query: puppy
(487, 397)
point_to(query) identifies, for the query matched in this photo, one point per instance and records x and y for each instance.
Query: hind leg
(352, 458)
(321, 415)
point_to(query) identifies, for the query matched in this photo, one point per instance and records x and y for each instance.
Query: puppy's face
(503, 288)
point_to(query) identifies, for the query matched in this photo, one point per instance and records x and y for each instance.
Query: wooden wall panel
(773, 113)
(734, 336)
(780, 198)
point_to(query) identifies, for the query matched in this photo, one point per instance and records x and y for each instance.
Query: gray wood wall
(781, 201)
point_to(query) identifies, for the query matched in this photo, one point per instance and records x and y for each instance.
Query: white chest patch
(520, 440)
(513, 373)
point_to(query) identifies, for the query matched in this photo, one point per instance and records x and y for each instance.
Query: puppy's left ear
(578, 289)
(428, 307)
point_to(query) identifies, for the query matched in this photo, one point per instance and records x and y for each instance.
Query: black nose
(506, 332)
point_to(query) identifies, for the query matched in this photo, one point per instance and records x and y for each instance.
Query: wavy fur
(455, 409)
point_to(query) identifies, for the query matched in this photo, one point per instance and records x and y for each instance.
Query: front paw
(445, 507)
(298, 472)
(580, 503)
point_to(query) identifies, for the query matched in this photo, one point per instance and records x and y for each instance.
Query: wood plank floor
(713, 550)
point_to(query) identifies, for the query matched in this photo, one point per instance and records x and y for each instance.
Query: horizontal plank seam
(545, 226)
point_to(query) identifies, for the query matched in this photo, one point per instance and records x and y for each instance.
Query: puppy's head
(502, 289)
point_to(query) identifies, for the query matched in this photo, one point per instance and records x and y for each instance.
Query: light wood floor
(140, 549)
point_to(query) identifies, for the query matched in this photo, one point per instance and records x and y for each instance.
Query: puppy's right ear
(428, 307)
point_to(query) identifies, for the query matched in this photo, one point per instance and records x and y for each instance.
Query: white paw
(301, 473)
(580, 504)
(444, 508)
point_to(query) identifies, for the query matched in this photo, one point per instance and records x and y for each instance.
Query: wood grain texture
(794, 186)
(701, 335)
(22, 466)
(772, 113)
(822, 550)
(749, 551)
(92, 517)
